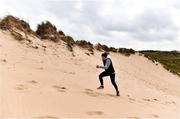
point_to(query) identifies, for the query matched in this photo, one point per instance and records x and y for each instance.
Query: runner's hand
(97, 66)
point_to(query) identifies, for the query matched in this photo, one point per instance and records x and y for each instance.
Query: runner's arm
(108, 62)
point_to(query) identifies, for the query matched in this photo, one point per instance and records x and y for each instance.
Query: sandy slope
(51, 83)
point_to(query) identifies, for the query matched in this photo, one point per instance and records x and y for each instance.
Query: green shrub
(126, 52)
(112, 49)
(46, 28)
(85, 44)
(70, 42)
(61, 33)
(100, 47)
(10, 22)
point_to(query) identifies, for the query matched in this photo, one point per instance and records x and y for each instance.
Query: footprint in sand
(91, 113)
(59, 88)
(111, 95)
(169, 102)
(132, 99)
(88, 89)
(155, 99)
(21, 87)
(32, 82)
(133, 118)
(146, 99)
(47, 117)
(150, 100)
(40, 68)
(154, 116)
(4, 60)
(92, 93)
(72, 73)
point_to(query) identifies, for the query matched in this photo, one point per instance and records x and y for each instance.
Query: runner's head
(104, 55)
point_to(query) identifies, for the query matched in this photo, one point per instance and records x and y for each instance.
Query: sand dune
(47, 81)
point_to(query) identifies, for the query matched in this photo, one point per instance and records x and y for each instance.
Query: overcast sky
(137, 24)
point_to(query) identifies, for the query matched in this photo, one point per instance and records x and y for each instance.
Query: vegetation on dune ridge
(124, 51)
(10, 22)
(85, 44)
(169, 59)
(13, 24)
(70, 42)
(47, 31)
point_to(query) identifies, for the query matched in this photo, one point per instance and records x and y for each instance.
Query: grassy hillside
(170, 60)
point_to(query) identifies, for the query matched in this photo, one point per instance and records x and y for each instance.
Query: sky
(137, 24)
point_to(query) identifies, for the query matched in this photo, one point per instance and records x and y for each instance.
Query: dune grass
(170, 60)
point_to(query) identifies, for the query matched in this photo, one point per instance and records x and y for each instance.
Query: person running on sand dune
(109, 71)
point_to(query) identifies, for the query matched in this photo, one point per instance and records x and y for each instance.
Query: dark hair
(104, 54)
